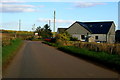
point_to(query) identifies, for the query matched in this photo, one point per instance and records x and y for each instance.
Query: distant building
(117, 36)
(93, 31)
(61, 30)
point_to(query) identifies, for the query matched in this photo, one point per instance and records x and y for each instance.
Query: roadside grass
(8, 51)
(109, 60)
(50, 44)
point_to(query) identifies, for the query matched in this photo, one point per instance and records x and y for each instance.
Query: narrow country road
(37, 60)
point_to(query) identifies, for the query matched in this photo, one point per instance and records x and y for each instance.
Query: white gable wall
(77, 30)
(101, 37)
(111, 34)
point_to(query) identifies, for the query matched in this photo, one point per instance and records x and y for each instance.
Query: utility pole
(49, 23)
(33, 28)
(54, 24)
(19, 25)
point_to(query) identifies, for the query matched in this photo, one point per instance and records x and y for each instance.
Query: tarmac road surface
(38, 60)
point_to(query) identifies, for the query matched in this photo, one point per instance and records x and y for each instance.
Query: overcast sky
(66, 13)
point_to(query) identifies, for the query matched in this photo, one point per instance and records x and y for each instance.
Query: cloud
(57, 20)
(87, 4)
(17, 8)
(11, 1)
(18, 1)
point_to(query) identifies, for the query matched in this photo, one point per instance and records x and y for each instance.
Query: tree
(47, 31)
(44, 32)
(38, 30)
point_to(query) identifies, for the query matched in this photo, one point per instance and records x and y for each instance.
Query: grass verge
(8, 51)
(109, 60)
(50, 44)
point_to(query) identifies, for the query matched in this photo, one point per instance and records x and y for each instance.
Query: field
(8, 35)
(11, 42)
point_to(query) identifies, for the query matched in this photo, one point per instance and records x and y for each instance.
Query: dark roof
(118, 31)
(96, 27)
(61, 30)
(117, 36)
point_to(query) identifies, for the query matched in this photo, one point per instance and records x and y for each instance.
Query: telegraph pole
(49, 23)
(54, 24)
(54, 21)
(33, 28)
(19, 25)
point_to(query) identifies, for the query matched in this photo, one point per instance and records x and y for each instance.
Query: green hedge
(109, 60)
(8, 51)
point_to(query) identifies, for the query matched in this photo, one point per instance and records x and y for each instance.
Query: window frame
(83, 37)
(96, 37)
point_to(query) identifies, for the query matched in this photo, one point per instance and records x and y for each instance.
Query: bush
(73, 39)
(63, 36)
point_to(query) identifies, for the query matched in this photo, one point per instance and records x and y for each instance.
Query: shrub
(63, 36)
(73, 39)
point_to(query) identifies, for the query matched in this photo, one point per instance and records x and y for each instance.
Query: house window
(90, 25)
(96, 37)
(82, 36)
(101, 25)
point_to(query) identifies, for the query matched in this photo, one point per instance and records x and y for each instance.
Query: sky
(40, 12)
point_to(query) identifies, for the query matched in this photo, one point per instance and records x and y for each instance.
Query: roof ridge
(95, 22)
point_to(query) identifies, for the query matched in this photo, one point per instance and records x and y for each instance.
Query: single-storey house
(93, 31)
(61, 30)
